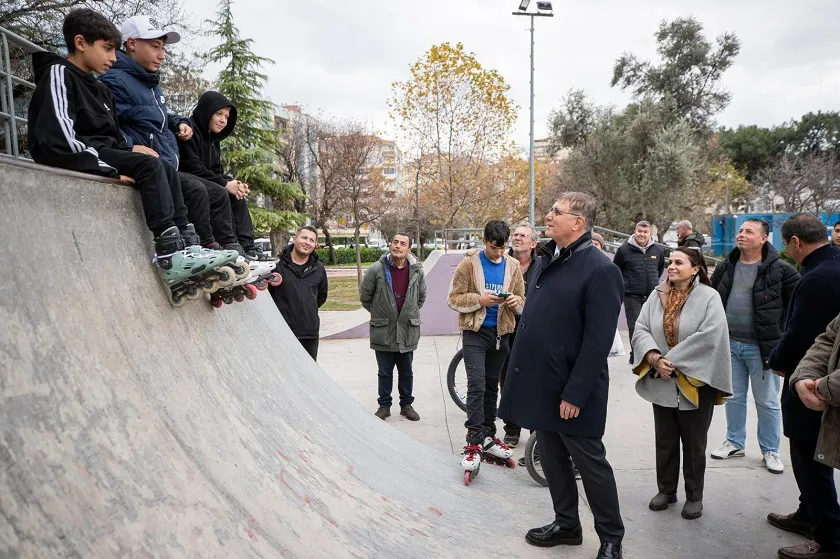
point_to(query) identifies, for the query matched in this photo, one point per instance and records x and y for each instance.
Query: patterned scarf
(676, 300)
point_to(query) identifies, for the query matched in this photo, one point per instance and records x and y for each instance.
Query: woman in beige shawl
(681, 349)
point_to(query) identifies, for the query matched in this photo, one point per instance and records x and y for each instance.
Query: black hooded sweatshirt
(201, 155)
(71, 117)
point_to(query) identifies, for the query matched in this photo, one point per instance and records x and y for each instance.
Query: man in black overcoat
(557, 381)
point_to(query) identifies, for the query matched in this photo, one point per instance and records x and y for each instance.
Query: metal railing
(8, 84)
(470, 237)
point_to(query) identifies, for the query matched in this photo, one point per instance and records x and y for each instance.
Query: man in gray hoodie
(641, 262)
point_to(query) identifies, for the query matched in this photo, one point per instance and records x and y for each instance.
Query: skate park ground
(739, 492)
(129, 428)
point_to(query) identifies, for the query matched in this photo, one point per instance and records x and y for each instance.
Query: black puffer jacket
(301, 294)
(774, 283)
(641, 270)
(693, 240)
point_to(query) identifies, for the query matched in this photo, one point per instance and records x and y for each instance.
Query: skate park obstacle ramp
(129, 428)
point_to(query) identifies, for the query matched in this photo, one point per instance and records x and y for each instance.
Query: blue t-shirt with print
(494, 278)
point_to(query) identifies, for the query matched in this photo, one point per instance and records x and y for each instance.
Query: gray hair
(581, 204)
(535, 236)
(685, 223)
(643, 223)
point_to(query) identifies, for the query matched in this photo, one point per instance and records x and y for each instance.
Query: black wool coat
(563, 341)
(774, 284)
(814, 303)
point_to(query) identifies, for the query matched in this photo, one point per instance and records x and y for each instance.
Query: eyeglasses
(558, 212)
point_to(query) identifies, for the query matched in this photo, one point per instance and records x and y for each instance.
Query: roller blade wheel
(469, 475)
(216, 302)
(228, 299)
(495, 460)
(177, 300)
(238, 298)
(226, 276)
(251, 292)
(275, 279)
(241, 270)
(194, 292)
(260, 284)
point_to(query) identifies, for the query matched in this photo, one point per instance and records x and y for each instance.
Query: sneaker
(383, 412)
(727, 450)
(521, 462)
(409, 413)
(511, 440)
(773, 462)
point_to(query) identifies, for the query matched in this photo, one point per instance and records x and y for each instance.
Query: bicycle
(456, 381)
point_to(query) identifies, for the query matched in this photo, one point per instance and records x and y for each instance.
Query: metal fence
(470, 237)
(15, 89)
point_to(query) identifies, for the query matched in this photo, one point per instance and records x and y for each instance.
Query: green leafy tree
(251, 152)
(687, 80)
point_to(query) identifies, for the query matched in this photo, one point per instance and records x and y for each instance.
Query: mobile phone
(503, 294)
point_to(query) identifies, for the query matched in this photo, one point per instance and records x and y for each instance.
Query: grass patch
(343, 295)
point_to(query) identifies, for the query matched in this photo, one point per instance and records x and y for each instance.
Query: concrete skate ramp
(131, 428)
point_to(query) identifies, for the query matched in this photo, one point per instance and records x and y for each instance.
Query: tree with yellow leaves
(458, 114)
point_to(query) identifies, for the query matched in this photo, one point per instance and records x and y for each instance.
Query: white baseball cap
(145, 27)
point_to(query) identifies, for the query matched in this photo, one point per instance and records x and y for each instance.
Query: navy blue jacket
(141, 108)
(563, 341)
(813, 304)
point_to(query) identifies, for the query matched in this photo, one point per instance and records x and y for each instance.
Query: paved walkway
(739, 492)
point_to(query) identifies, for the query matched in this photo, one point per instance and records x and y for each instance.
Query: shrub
(348, 255)
(787, 258)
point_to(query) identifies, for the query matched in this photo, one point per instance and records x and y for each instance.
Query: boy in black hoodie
(213, 120)
(72, 125)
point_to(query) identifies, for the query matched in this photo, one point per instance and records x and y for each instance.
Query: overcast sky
(340, 57)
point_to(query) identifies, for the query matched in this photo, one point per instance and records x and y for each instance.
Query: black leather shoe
(610, 551)
(551, 535)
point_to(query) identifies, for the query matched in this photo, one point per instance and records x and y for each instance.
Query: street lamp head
(523, 5)
(545, 7)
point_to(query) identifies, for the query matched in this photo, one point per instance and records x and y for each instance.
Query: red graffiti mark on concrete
(350, 469)
(283, 456)
(436, 511)
(384, 498)
(419, 532)
(389, 515)
(307, 500)
(252, 522)
(303, 456)
(328, 520)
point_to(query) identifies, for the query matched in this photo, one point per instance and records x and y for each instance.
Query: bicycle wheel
(456, 380)
(532, 460)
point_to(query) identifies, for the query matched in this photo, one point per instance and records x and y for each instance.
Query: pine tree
(250, 153)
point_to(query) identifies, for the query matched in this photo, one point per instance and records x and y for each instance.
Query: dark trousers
(590, 457)
(510, 428)
(386, 361)
(243, 226)
(484, 365)
(311, 346)
(198, 206)
(158, 184)
(221, 215)
(818, 495)
(632, 309)
(672, 427)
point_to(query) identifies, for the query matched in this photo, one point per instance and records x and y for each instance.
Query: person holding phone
(487, 291)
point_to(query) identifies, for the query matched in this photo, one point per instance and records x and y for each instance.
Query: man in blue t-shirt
(487, 292)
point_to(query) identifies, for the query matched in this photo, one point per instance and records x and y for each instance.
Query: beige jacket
(467, 288)
(823, 362)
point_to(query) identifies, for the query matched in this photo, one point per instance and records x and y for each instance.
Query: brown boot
(790, 523)
(409, 413)
(808, 550)
(383, 412)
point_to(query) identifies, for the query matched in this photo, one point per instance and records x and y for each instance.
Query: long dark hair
(697, 259)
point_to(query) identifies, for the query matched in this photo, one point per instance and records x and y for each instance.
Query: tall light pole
(544, 9)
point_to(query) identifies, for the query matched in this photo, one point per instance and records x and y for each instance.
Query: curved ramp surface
(130, 428)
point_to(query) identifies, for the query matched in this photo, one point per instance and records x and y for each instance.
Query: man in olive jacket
(394, 290)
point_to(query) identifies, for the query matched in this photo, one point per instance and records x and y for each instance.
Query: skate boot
(471, 462)
(231, 257)
(187, 274)
(497, 452)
